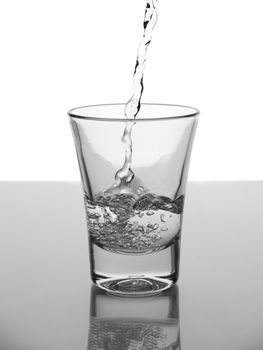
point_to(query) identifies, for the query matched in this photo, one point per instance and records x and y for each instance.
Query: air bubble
(91, 206)
(93, 215)
(162, 217)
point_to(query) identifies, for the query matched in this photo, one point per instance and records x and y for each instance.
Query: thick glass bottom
(135, 274)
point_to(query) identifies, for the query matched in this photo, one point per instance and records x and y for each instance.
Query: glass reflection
(122, 323)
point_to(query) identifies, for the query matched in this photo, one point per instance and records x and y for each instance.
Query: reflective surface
(134, 323)
(47, 300)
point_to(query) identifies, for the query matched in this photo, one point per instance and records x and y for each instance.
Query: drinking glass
(134, 228)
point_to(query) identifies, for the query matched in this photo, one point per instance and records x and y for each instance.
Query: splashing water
(125, 175)
(133, 223)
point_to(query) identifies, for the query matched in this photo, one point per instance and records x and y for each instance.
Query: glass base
(135, 274)
(135, 286)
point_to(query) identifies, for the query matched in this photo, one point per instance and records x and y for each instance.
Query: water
(125, 174)
(125, 218)
(128, 222)
(132, 107)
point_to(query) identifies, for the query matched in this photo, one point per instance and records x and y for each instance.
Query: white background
(59, 54)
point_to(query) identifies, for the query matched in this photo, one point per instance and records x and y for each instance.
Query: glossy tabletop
(47, 301)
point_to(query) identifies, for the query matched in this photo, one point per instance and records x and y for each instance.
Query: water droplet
(164, 229)
(155, 226)
(162, 217)
(150, 213)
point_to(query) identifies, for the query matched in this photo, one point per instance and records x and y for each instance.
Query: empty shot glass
(134, 174)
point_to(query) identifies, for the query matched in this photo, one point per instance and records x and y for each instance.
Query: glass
(134, 228)
(134, 323)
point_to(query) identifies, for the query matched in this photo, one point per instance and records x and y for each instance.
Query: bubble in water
(162, 217)
(94, 215)
(91, 206)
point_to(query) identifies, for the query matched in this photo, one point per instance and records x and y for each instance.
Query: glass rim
(75, 113)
